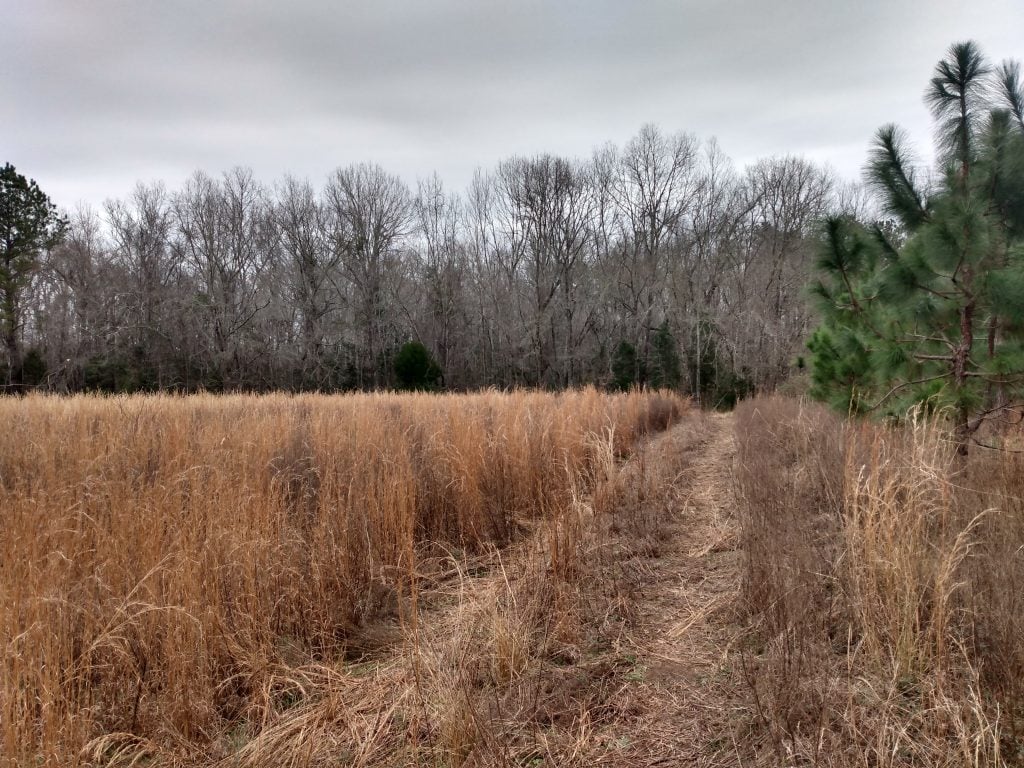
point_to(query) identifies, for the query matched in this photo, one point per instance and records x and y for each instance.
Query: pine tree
(29, 225)
(928, 307)
(666, 370)
(415, 368)
(624, 367)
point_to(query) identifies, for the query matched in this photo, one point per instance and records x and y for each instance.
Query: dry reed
(177, 572)
(883, 581)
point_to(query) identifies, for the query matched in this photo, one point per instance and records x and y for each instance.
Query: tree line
(657, 262)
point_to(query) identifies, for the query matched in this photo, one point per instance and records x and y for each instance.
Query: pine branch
(904, 385)
(890, 173)
(1011, 87)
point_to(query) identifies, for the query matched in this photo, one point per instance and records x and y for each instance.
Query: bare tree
(442, 261)
(310, 274)
(224, 234)
(654, 188)
(141, 229)
(546, 206)
(75, 301)
(495, 287)
(368, 215)
(706, 257)
(786, 197)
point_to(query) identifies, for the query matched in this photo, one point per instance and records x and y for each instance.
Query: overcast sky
(97, 94)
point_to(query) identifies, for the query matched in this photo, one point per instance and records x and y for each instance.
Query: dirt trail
(685, 705)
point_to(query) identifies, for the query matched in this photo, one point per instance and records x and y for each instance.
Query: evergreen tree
(416, 368)
(29, 225)
(624, 366)
(666, 370)
(929, 307)
(33, 369)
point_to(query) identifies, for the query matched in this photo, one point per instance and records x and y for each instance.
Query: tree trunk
(14, 358)
(9, 321)
(960, 360)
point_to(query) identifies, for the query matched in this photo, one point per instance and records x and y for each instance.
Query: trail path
(685, 695)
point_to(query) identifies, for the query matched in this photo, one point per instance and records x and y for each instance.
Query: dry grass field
(884, 586)
(178, 574)
(517, 579)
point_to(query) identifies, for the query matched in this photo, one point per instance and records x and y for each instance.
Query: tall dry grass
(164, 561)
(520, 656)
(884, 580)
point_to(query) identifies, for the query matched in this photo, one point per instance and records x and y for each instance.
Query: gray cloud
(99, 94)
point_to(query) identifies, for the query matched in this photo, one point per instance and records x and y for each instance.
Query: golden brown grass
(182, 578)
(884, 579)
(520, 656)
